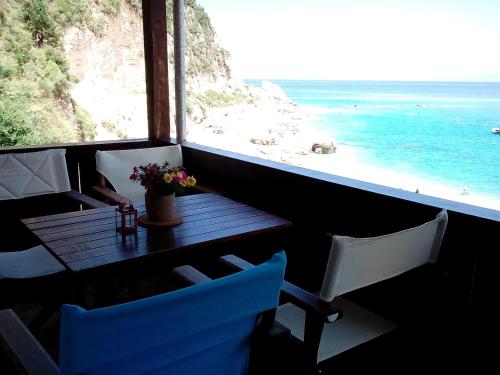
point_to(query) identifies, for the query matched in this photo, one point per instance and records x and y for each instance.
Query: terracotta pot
(160, 208)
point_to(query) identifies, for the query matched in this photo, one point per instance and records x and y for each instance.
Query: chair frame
(105, 191)
(23, 352)
(107, 194)
(317, 311)
(84, 199)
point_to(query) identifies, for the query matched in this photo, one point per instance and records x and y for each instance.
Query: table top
(85, 240)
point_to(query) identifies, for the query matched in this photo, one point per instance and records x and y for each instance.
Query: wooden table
(212, 225)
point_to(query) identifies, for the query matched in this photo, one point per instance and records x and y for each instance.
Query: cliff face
(207, 64)
(73, 70)
(110, 67)
(110, 74)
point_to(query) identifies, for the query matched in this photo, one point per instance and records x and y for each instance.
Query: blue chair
(205, 328)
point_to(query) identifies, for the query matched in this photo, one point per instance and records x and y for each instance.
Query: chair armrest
(109, 195)
(310, 302)
(296, 295)
(190, 275)
(115, 198)
(26, 354)
(85, 199)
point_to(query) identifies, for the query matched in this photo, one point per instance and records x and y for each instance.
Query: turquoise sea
(439, 131)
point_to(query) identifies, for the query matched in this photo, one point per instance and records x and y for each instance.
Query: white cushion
(357, 326)
(33, 173)
(33, 262)
(117, 166)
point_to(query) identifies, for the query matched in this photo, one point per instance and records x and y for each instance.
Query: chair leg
(270, 340)
(37, 323)
(267, 319)
(312, 338)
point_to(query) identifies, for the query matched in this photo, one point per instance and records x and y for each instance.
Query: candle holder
(126, 217)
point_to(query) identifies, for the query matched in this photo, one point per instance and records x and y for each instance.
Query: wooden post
(154, 14)
(180, 70)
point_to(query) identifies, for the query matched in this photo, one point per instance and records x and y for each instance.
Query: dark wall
(317, 203)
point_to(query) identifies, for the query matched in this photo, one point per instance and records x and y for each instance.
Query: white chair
(355, 263)
(116, 167)
(34, 173)
(31, 184)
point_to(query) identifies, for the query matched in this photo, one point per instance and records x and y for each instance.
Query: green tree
(42, 27)
(15, 123)
(72, 12)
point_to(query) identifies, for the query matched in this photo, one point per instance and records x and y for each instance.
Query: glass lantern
(126, 218)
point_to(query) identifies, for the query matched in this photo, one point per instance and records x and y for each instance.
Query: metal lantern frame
(126, 218)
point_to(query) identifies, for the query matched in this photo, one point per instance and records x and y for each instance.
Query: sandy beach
(345, 162)
(278, 130)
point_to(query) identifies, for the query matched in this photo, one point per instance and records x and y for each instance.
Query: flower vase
(160, 210)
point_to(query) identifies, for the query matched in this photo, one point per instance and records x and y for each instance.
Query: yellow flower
(167, 178)
(190, 181)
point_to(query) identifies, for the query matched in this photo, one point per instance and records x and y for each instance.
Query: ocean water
(437, 131)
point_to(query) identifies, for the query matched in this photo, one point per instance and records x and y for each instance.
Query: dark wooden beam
(156, 62)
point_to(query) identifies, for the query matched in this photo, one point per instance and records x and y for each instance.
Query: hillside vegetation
(37, 105)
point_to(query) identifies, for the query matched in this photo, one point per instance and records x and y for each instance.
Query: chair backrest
(33, 173)
(203, 329)
(358, 262)
(117, 166)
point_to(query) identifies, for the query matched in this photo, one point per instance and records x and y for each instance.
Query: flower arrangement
(158, 179)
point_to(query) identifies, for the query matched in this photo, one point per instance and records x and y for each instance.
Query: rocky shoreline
(270, 126)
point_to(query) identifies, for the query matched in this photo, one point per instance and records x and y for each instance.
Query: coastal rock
(324, 148)
(319, 142)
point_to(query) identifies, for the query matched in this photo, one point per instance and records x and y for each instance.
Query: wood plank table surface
(88, 240)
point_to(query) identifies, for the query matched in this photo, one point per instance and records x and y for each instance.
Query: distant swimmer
(465, 191)
(416, 191)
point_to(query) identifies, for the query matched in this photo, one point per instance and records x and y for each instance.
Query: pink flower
(158, 178)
